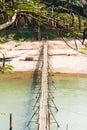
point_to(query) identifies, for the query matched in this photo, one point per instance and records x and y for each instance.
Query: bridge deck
(44, 116)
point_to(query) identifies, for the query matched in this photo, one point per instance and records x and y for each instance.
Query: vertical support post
(52, 14)
(48, 121)
(52, 10)
(10, 121)
(39, 32)
(67, 127)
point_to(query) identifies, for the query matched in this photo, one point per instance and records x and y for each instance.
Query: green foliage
(41, 15)
(25, 7)
(11, 36)
(1, 41)
(68, 35)
(64, 15)
(9, 12)
(25, 35)
(79, 35)
(83, 49)
(61, 8)
(7, 68)
(49, 34)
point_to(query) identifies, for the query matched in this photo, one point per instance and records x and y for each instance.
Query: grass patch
(83, 49)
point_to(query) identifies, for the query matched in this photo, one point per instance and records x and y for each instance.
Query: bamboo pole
(67, 127)
(10, 121)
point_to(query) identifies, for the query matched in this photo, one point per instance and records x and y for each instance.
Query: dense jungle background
(37, 19)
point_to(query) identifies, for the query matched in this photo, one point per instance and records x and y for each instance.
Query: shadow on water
(32, 113)
(36, 72)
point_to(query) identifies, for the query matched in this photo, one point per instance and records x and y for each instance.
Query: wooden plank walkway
(44, 116)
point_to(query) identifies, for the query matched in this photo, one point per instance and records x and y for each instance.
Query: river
(18, 96)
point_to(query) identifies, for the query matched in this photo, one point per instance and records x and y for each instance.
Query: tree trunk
(39, 33)
(7, 24)
(79, 20)
(72, 24)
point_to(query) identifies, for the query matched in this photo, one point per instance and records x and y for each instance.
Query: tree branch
(5, 25)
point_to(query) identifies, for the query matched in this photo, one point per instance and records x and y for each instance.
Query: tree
(41, 13)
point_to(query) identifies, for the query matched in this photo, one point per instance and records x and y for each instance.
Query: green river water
(17, 96)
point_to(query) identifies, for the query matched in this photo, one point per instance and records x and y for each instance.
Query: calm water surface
(17, 96)
(71, 100)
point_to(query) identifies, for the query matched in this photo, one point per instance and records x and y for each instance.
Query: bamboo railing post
(67, 127)
(10, 121)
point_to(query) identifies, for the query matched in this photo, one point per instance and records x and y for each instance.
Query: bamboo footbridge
(44, 106)
(44, 95)
(44, 115)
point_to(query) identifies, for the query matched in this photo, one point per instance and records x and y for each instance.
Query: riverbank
(62, 58)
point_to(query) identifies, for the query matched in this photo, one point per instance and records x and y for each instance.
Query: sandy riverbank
(62, 59)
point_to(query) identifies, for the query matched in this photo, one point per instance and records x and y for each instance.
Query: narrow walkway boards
(44, 116)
